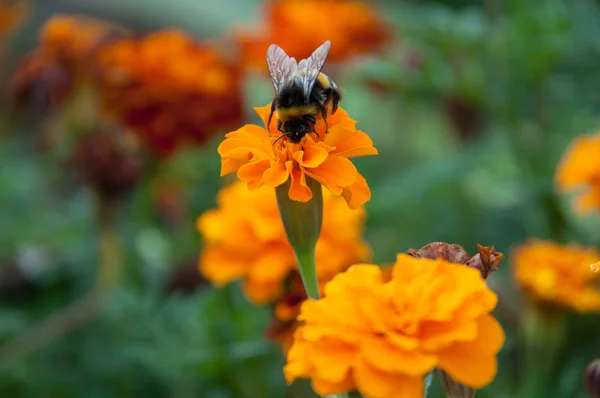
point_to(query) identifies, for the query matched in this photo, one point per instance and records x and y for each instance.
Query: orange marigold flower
(77, 37)
(557, 274)
(248, 241)
(580, 167)
(300, 26)
(170, 89)
(12, 14)
(382, 338)
(63, 59)
(259, 160)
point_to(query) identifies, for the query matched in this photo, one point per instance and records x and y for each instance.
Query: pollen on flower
(382, 337)
(558, 275)
(249, 243)
(580, 168)
(252, 152)
(300, 26)
(170, 89)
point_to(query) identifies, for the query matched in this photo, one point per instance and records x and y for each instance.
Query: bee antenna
(280, 137)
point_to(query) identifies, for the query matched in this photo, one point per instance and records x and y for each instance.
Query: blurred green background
(471, 106)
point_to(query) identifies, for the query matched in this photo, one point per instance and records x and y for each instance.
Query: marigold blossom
(63, 61)
(557, 274)
(245, 240)
(300, 26)
(77, 37)
(259, 160)
(580, 167)
(11, 14)
(382, 338)
(170, 89)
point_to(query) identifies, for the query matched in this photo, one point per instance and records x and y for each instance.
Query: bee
(302, 92)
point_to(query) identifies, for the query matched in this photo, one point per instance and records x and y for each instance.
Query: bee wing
(309, 68)
(281, 67)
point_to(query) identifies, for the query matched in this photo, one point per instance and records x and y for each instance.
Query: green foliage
(527, 71)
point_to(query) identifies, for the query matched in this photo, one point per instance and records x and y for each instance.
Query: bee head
(297, 127)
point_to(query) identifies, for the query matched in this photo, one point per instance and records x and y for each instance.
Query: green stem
(542, 333)
(302, 224)
(306, 262)
(83, 310)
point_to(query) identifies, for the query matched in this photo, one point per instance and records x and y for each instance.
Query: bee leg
(270, 117)
(280, 126)
(314, 131)
(324, 114)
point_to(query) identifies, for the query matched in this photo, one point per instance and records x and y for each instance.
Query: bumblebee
(302, 92)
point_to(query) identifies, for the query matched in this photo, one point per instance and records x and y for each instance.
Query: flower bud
(302, 224)
(105, 165)
(592, 378)
(486, 261)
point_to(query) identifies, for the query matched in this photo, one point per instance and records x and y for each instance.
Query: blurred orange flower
(300, 26)
(12, 14)
(382, 338)
(64, 58)
(169, 88)
(77, 37)
(259, 160)
(557, 274)
(580, 167)
(245, 239)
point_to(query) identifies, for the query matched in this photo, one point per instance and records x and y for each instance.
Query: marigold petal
(261, 293)
(358, 193)
(341, 117)
(312, 156)
(437, 335)
(325, 316)
(243, 149)
(581, 164)
(374, 383)
(349, 143)
(228, 166)
(248, 129)
(298, 189)
(332, 360)
(275, 175)
(273, 265)
(263, 112)
(221, 266)
(491, 330)
(211, 225)
(387, 358)
(334, 173)
(474, 363)
(362, 276)
(325, 388)
(588, 200)
(253, 171)
(353, 333)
